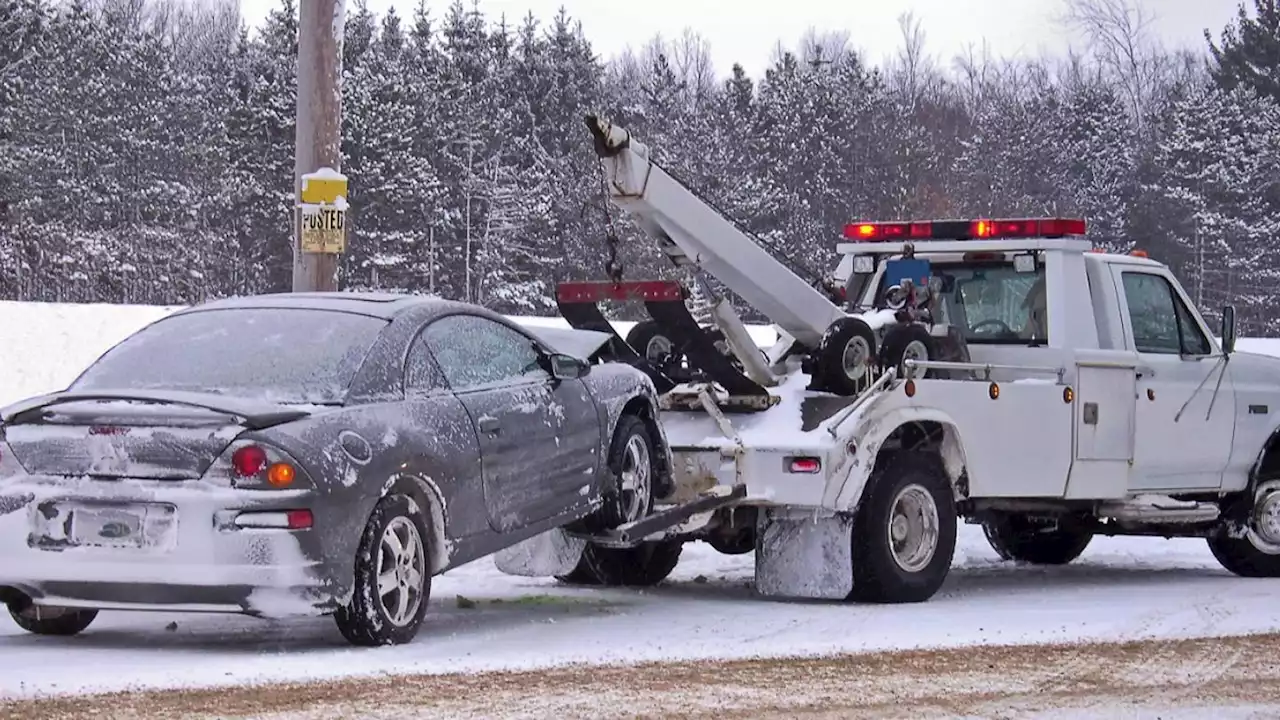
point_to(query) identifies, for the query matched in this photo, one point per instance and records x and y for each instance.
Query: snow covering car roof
(382, 305)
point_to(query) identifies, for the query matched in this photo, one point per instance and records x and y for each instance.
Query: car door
(1185, 417)
(436, 429)
(532, 429)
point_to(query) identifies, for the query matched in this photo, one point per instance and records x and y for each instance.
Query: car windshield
(294, 356)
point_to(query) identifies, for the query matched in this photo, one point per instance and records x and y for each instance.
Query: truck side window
(1161, 322)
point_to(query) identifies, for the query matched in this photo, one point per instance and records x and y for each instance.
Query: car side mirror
(567, 367)
(1228, 329)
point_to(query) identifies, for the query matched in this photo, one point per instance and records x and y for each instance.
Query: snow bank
(45, 346)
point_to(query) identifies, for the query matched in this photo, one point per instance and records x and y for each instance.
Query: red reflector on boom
(965, 229)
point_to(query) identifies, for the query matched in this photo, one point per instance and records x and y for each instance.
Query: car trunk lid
(149, 435)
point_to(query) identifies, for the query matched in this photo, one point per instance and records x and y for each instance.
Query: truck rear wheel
(1014, 537)
(904, 534)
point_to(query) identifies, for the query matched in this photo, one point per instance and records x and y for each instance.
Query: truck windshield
(992, 303)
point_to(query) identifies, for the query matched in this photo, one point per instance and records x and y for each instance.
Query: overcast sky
(749, 33)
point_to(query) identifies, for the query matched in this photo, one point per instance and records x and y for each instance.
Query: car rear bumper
(188, 554)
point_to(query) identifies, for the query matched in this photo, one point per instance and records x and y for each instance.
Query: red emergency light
(964, 229)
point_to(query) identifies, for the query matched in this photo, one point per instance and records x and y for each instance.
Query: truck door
(1185, 418)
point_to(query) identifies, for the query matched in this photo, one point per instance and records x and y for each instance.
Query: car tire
(633, 463)
(848, 337)
(1013, 538)
(56, 622)
(632, 460)
(395, 547)
(645, 565)
(883, 573)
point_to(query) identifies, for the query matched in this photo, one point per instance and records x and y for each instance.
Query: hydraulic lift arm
(692, 232)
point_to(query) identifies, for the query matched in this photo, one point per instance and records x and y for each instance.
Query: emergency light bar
(964, 229)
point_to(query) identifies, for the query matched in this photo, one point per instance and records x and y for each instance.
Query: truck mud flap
(578, 305)
(802, 555)
(674, 319)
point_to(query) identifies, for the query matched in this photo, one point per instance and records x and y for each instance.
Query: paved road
(1222, 678)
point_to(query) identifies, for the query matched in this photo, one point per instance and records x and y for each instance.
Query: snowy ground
(1121, 589)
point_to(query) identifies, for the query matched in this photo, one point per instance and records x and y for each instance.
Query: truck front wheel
(1257, 554)
(904, 534)
(1015, 537)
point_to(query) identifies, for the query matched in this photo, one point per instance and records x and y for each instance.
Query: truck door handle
(1145, 371)
(489, 425)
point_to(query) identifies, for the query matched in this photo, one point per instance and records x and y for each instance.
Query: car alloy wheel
(401, 565)
(636, 481)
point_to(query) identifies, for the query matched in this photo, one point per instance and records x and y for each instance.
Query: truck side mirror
(1228, 329)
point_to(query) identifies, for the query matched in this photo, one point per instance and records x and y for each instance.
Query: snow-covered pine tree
(1099, 155)
(1221, 158)
(1248, 52)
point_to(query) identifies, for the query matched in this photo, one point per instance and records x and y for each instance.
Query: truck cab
(1110, 406)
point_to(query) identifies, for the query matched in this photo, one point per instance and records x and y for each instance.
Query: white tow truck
(1002, 372)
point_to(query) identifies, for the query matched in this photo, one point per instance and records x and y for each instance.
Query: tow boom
(692, 232)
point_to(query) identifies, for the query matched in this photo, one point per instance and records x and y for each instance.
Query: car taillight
(249, 461)
(250, 464)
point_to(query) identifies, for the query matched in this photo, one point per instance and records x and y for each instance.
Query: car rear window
(301, 356)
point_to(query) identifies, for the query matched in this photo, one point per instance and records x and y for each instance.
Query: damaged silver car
(315, 453)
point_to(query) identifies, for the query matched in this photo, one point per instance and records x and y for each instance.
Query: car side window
(421, 373)
(474, 351)
(1161, 322)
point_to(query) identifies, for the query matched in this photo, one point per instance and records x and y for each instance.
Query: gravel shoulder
(1225, 677)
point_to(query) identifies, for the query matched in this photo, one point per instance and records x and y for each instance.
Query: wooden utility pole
(318, 139)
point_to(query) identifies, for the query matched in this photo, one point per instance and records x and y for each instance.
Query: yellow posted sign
(323, 209)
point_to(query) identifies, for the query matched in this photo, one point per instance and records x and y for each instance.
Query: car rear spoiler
(253, 414)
